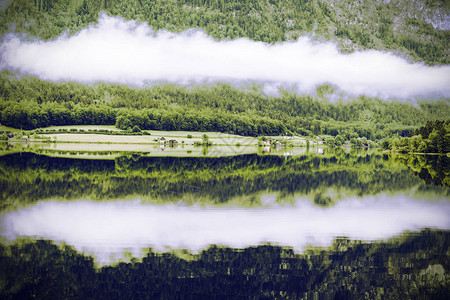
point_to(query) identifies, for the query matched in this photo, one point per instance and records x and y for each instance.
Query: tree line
(434, 137)
(30, 103)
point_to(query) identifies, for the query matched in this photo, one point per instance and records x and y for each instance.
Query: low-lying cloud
(128, 52)
(107, 229)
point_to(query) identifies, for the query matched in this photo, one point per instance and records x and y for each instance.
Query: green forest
(365, 24)
(434, 137)
(31, 103)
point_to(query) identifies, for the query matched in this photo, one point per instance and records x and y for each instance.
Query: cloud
(107, 229)
(128, 52)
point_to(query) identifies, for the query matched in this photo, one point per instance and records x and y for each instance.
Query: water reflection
(109, 229)
(85, 206)
(27, 178)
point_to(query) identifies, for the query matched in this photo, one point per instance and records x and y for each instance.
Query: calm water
(337, 224)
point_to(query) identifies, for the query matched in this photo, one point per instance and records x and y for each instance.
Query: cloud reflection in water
(108, 229)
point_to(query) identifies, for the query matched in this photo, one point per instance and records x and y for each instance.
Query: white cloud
(108, 229)
(127, 52)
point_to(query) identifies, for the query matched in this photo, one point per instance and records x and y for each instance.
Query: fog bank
(128, 52)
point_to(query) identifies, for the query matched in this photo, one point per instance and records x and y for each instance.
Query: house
(161, 139)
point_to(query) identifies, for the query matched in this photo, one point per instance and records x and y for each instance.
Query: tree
(434, 142)
(123, 122)
(136, 129)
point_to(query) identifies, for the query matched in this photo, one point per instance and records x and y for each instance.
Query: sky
(128, 52)
(108, 229)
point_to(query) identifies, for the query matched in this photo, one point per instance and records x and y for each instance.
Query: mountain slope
(417, 30)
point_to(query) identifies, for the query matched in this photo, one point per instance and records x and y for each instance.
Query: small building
(161, 139)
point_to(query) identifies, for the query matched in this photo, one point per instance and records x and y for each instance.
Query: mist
(131, 53)
(109, 229)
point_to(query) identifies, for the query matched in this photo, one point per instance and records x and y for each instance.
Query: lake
(329, 224)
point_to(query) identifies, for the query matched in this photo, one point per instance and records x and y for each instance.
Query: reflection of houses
(268, 142)
(171, 143)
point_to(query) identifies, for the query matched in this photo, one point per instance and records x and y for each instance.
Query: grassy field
(96, 145)
(216, 138)
(6, 128)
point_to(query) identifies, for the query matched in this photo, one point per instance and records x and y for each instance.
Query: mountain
(417, 30)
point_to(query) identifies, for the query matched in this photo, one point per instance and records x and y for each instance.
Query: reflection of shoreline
(105, 150)
(106, 228)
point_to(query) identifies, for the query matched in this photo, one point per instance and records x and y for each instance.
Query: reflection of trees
(433, 169)
(413, 266)
(29, 177)
(322, 200)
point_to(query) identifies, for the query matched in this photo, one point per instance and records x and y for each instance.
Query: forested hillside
(415, 29)
(29, 103)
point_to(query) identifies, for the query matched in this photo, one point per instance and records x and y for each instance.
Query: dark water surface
(337, 225)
